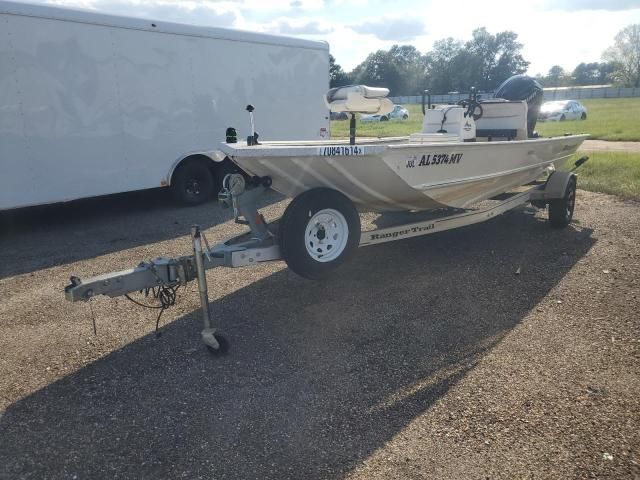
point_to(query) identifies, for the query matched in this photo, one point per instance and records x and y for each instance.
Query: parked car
(561, 110)
(339, 116)
(398, 112)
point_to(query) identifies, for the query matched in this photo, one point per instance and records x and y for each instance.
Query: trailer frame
(260, 243)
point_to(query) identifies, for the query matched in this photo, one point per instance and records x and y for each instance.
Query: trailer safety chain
(167, 296)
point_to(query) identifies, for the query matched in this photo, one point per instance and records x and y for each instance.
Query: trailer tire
(561, 210)
(193, 182)
(319, 231)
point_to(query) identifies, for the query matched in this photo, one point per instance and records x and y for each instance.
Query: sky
(553, 32)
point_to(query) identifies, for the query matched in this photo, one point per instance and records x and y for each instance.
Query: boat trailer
(261, 242)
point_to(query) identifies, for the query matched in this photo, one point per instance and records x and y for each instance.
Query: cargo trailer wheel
(320, 230)
(561, 210)
(192, 183)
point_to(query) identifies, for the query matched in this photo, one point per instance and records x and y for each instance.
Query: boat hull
(396, 176)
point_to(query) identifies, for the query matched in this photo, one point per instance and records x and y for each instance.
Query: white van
(94, 104)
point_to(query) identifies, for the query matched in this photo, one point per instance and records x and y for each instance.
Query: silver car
(561, 110)
(398, 112)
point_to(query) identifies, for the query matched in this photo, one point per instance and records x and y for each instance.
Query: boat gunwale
(310, 148)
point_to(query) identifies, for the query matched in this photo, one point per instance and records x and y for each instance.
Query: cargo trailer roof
(152, 25)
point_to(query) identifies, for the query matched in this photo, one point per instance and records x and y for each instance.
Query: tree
(400, 69)
(625, 54)
(337, 76)
(410, 64)
(592, 73)
(493, 58)
(441, 65)
(485, 61)
(557, 77)
(377, 71)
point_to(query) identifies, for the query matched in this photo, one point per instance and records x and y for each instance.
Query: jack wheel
(561, 210)
(224, 345)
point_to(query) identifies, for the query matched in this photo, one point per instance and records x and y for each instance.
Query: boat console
(511, 115)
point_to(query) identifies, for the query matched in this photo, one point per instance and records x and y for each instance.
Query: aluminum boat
(464, 154)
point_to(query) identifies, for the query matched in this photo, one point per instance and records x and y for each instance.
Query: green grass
(616, 173)
(613, 119)
(608, 119)
(392, 128)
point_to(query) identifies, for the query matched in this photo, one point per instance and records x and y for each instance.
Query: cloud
(577, 5)
(300, 27)
(398, 29)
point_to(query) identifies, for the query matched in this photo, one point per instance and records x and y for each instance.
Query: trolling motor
(253, 138)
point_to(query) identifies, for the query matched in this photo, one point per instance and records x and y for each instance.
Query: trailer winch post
(208, 332)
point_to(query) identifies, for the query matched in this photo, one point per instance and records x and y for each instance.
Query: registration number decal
(434, 159)
(339, 151)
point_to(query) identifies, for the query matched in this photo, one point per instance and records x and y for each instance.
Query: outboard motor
(522, 87)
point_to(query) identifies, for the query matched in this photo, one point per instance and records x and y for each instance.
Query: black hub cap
(193, 187)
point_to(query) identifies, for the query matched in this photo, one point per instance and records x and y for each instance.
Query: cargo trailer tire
(193, 182)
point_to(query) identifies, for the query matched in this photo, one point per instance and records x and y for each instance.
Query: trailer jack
(257, 245)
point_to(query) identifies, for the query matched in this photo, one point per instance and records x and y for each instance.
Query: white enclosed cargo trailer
(94, 104)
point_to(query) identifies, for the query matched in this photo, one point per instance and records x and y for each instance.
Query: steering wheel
(472, 107)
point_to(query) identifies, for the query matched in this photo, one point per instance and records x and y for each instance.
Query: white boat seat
(359, 99)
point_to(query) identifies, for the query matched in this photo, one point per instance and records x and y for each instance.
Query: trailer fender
(554, 188)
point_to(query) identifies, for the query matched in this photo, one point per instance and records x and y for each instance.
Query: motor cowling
(523, 88)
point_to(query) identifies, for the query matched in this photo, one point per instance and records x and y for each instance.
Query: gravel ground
(425, 358)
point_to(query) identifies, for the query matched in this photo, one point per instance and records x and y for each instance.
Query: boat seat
(503, 119)
(359, 99)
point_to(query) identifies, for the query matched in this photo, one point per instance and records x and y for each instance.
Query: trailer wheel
(192, 183)
(561, 210)
(319, 231)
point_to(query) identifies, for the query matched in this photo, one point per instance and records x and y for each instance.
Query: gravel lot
(425, 358)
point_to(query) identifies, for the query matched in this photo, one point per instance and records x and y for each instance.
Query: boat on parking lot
(471, 162)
